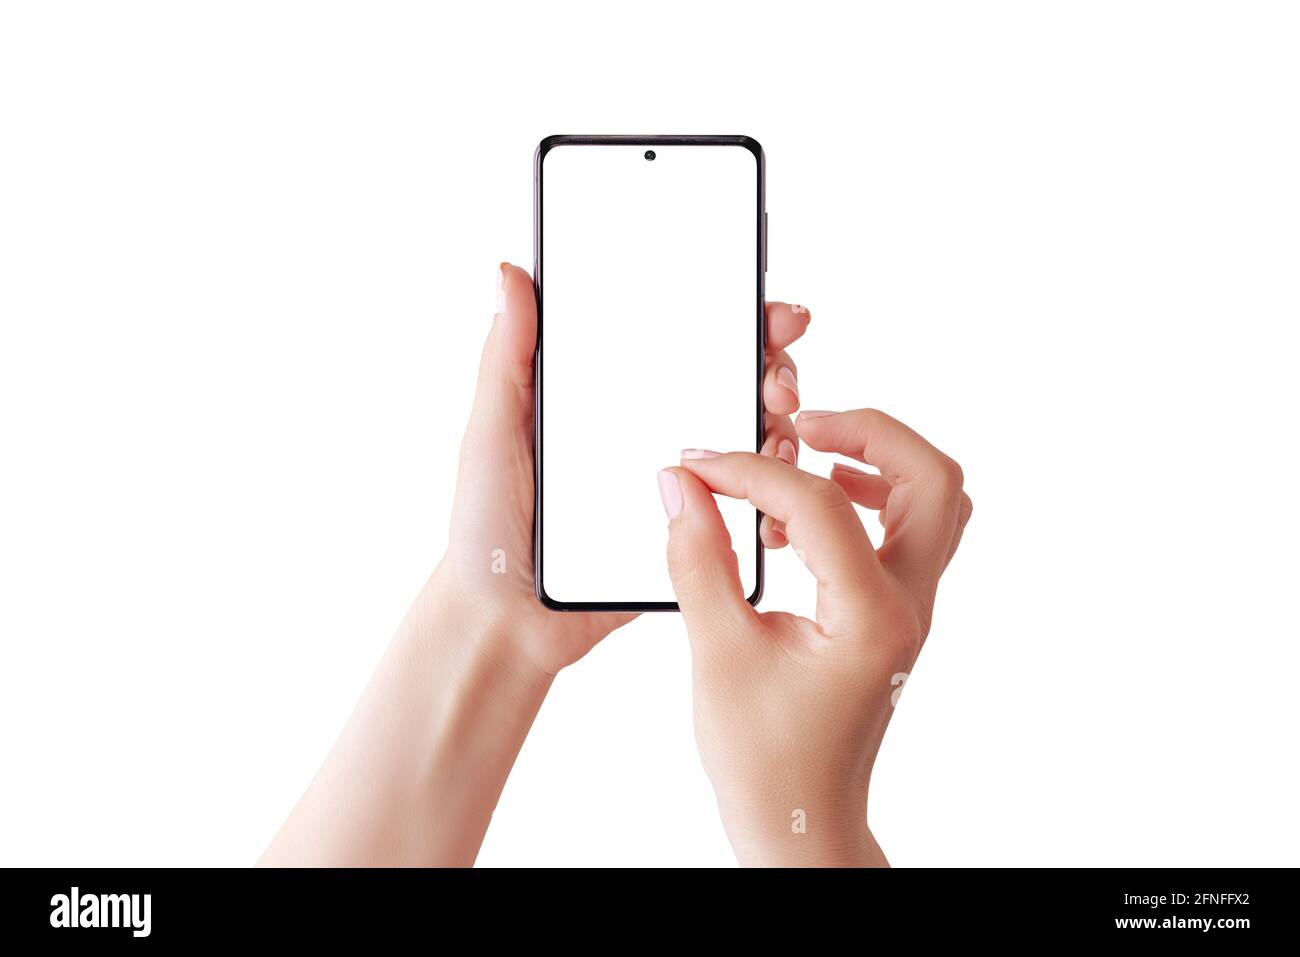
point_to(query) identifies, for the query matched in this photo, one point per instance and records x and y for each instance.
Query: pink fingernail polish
(501, 288)
(786, 452)
(799, 310)
(699, 454)
(814, 413)
(670, 490)
(787, 379)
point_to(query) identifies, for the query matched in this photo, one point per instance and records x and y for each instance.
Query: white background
(650, 311)
(247, 255)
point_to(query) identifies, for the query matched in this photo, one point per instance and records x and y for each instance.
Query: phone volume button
(764, 240)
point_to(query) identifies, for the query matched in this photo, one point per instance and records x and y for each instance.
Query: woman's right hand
(789, 713)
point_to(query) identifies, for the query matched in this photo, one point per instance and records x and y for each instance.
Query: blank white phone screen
(650, 321)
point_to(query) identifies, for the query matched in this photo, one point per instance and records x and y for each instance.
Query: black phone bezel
(760, 262)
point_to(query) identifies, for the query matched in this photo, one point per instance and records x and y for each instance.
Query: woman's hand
(789, 713)
(488, 566)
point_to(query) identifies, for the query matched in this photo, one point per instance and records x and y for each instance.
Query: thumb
(703, 568)
(503, 401)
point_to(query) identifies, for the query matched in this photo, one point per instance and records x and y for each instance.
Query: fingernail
(847, 468)
(786, 452)
(799, 310)
(778, 531)
(814, 413)
(670, 490)
(787, 379)
(501, 288)
(699, 454)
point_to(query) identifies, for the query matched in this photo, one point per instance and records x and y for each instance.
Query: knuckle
(683, 561)
(691, 564)
(949, 474)
(870, 424)
(870, 417)
(826, 495)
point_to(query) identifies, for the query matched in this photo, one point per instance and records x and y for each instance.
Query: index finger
(926, 498)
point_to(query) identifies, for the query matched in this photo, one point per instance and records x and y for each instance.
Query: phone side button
(764, 240)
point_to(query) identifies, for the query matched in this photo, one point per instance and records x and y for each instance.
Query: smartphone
(649, 256)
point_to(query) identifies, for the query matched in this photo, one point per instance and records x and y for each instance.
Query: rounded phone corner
(547, 601)
(546, 144)
(754, 146)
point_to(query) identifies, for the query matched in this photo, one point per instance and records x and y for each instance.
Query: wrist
(478, 638)
(807, 834)
(418, 769)
(480, 696)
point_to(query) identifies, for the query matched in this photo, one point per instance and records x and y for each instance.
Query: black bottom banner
(1223, 908)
